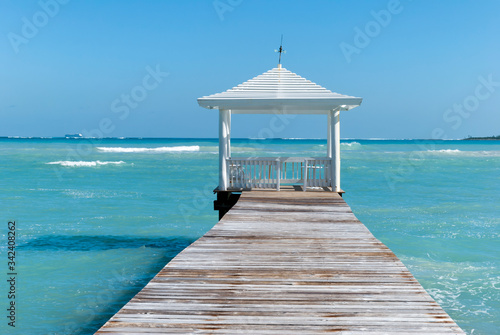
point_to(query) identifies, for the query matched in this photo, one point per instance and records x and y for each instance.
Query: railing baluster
(268, 174)
(241, 174)
(254, 178)
(247, 175)
(273, 180)
(259, 171)
(318, 174)
(270, 166)
(258, 174)
(278, 166)
(282, 170)
(263, 173)
(264, 168)
(314, 173)
(253, 175)
(321, 173)
(324, 174)
(250, 174)
(304, 183)
(285, 167)
(257, 180)
(270, 180)
(234, 173)
(312, 169)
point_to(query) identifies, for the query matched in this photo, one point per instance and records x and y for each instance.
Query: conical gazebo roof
(279, 90)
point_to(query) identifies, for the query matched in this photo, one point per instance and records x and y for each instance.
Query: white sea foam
(156, 150)
(91, 194)
(84, 163)
(447, 151)
(350, 144)
(299, 138)
(466, 153)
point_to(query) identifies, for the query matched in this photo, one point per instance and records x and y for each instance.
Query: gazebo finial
(280, 50)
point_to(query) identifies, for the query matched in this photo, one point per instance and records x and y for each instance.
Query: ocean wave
(98, 194)
(448, 151)
(156, 150)
(300, 138)
(464, 153)
(84, 163)
(350, 144)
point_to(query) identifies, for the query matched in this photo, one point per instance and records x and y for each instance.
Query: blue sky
(425, 69)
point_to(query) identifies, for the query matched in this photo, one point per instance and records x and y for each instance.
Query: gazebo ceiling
(279, 91)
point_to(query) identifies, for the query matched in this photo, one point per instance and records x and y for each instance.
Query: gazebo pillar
(229, 134)
(224, 146)
(333, 147)
(329, 137)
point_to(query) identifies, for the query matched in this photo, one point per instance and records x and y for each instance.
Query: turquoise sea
(97, 219)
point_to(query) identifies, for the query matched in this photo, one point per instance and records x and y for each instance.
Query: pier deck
(284, 263)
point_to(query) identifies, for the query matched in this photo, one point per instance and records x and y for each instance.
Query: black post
(225, 201)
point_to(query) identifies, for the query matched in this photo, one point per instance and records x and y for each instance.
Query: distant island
(483, 138)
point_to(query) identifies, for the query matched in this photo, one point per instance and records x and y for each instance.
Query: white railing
(254, 172)
(269, 172)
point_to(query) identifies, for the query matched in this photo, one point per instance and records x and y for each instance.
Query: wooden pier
(284, 263)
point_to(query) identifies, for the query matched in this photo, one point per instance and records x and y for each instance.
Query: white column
(229, 134)
(224, 121)
(329, 139)
(335, 145)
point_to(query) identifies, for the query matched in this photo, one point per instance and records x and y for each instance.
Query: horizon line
(242, 138)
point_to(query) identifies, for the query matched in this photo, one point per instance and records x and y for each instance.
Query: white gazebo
(279, 91)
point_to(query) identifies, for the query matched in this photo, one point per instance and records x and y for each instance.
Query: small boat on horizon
(73, 136)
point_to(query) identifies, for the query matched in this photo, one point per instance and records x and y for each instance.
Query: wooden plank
(284, 263)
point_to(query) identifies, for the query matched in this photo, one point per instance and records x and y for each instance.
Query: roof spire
(280, 50)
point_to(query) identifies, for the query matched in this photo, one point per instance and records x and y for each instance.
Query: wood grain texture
(284, 263)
